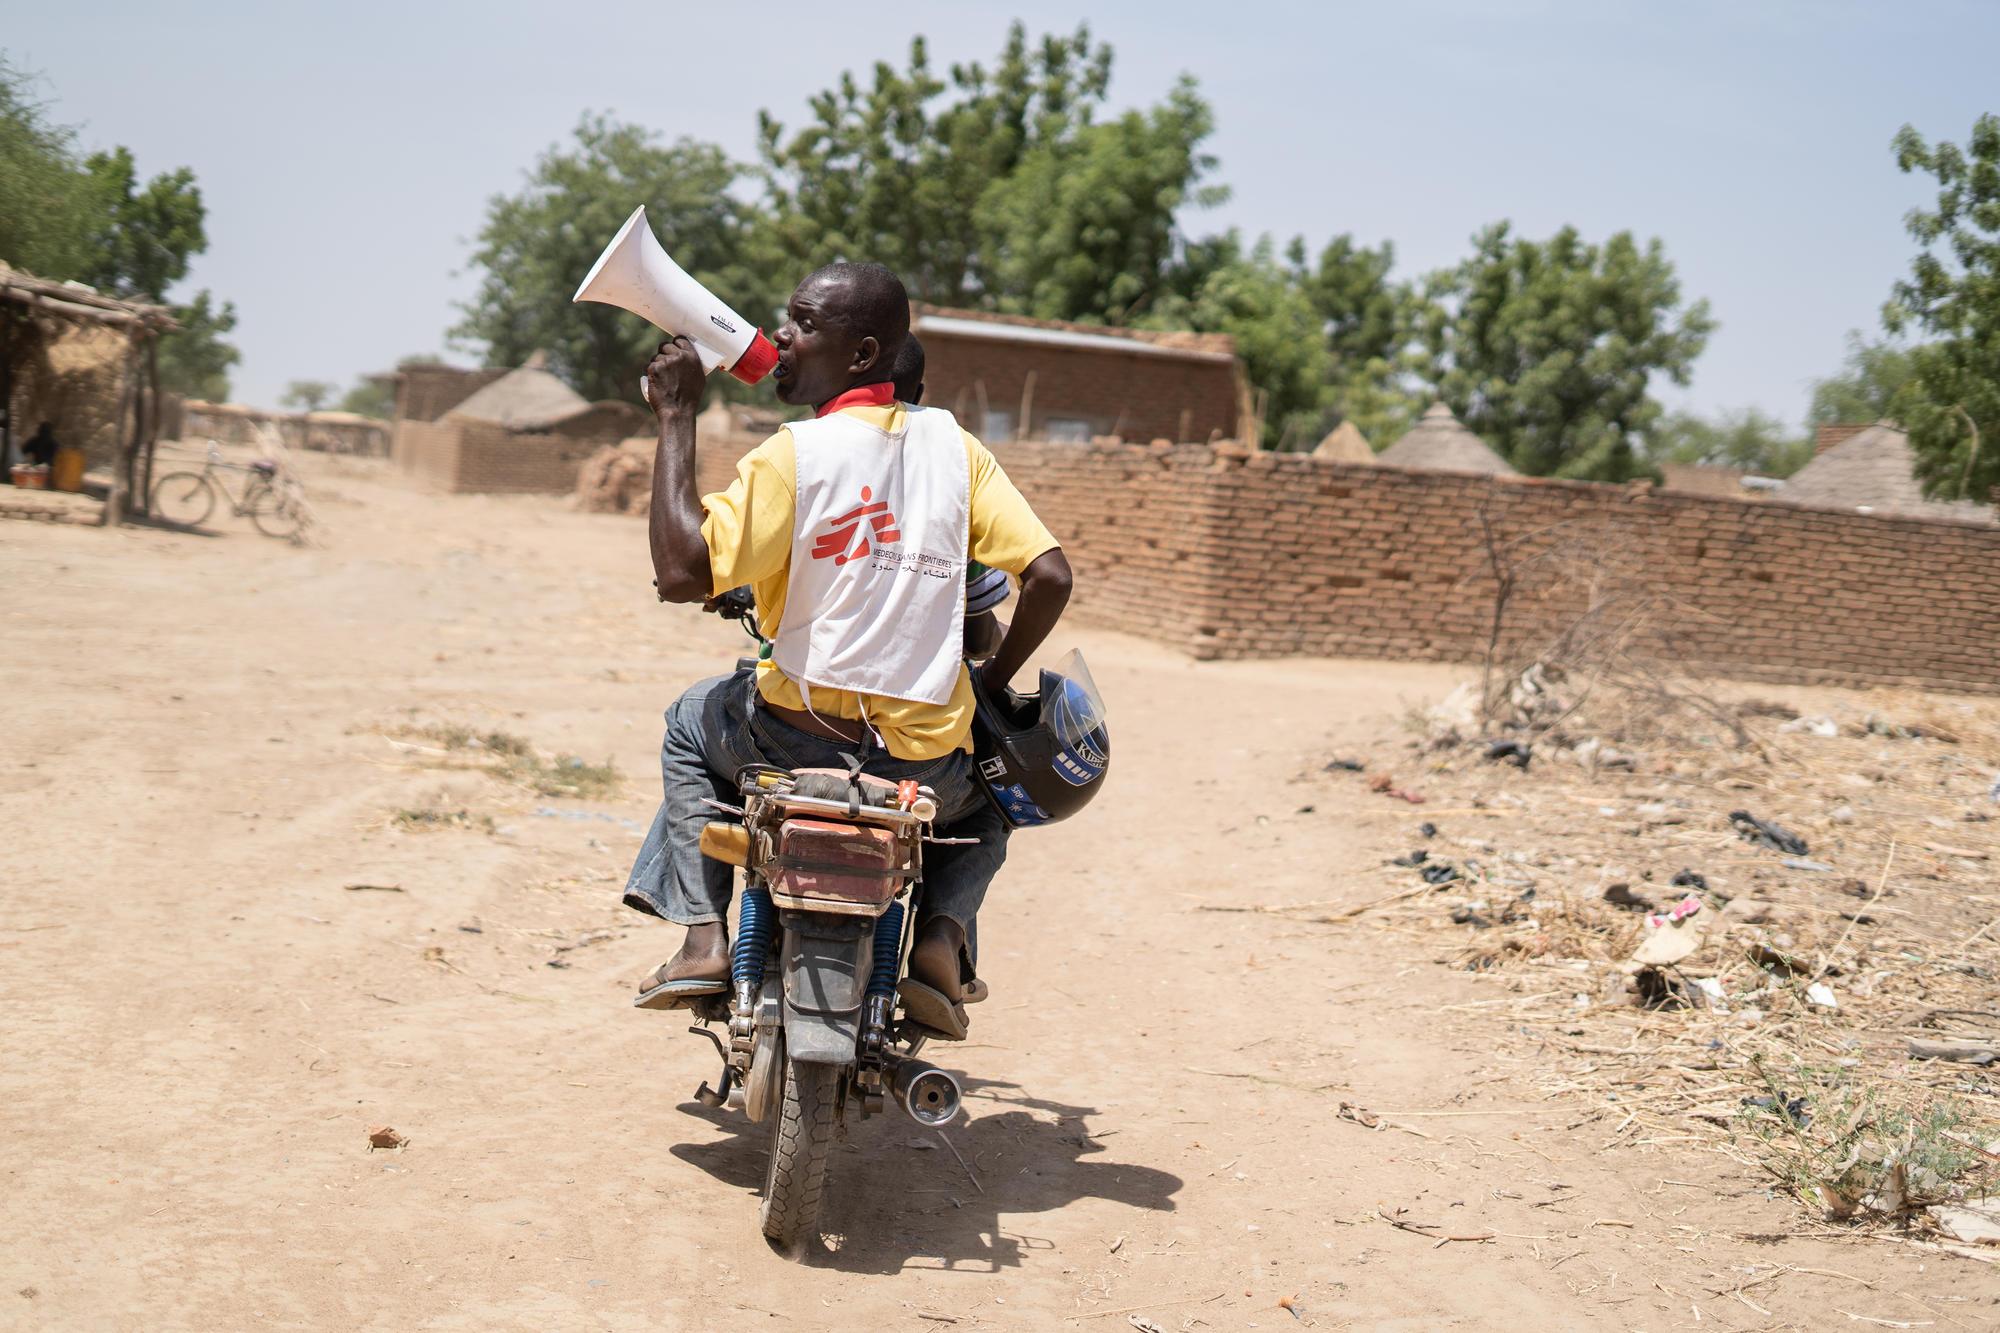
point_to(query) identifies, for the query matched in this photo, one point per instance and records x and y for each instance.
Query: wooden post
(1027, 407)
(145, 497)
(121, 466)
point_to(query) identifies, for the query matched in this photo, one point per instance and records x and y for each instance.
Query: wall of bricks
(1227, 553)
(425, 393)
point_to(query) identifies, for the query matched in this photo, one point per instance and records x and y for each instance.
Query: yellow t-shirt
(748, 529)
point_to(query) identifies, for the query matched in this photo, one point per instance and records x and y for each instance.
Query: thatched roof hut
(527, 398)
(1345, 444)
(1873, 471)
(1441, 443)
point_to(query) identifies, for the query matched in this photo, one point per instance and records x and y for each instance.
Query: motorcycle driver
(855, 530)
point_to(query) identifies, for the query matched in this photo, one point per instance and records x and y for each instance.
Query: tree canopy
(1748, 438)
(92, 220)
(1011, 186)
(1950, 404)
(1546, 349)
(537, 244)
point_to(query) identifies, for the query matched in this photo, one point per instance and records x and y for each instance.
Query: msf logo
(841, 544)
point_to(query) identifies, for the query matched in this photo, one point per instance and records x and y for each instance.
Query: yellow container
(67, 474)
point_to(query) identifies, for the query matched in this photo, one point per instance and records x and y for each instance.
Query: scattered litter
(1672, 936)
(1427, 830)
(1143, 1324)
(1958, 1052)
(1290, 1305)
(1821, 994)
(1439, 873)
(1386, 784)
(1973, 1222)
(1793, 1108)
(1688, 879)
(1824, 727)
(1767, 834)
(1412, 859)
(472, 928)
(385, 1137)
(1621, 895)
(1775, 960)
(1678, 913)
(1465, 916)
(1711, 988)
(1801, 863)
(1514, 752)
(1343, 766)
(374, 888)
(1841, 814)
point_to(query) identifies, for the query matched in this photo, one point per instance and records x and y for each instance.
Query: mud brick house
(1011, 378)
(516, 430)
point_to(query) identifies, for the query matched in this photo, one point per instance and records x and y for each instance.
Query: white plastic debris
(1821, 994)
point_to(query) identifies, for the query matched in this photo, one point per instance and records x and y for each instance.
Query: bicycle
(272, 500)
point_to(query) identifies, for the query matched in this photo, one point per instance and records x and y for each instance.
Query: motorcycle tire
(801, 1144)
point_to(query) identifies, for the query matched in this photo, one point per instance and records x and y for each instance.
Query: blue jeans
(714, 730)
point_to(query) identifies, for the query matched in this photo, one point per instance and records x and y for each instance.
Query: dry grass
(511, 759)
(1732, 1048)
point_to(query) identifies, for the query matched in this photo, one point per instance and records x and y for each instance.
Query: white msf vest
(875, 597)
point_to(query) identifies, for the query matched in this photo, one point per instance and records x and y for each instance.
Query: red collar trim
(867, 395)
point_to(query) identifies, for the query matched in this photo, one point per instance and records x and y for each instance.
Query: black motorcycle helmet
(1042, 756)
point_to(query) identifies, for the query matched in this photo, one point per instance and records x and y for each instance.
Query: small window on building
(996, 427)
(1067, 430)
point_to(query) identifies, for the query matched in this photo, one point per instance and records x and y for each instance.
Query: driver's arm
(1045, 587)
(674, 381)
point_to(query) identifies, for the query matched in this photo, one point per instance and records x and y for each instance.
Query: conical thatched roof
(1345, 444)
(529, 398)
(1439, 443)
(1873, 471)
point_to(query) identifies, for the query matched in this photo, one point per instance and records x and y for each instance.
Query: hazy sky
(346, 151)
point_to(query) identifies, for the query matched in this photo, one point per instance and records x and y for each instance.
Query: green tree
(1749, 439)
(1546, 348)
(1220, 288)
(1084, 229)
(144, 235)
(45, 201)
(1951, 403)
(1368, 321)
(195, 359)
(306, 395)
(898, 172)
(995, 187)
(371, 396)
(1865, 386)
(537, 244)
(95, 222)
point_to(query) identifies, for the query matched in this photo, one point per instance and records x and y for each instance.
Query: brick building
(487, 430)
(1011, 378)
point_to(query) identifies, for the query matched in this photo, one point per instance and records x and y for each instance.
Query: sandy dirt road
(202, 1022)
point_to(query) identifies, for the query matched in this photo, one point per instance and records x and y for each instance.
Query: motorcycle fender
(827, 962)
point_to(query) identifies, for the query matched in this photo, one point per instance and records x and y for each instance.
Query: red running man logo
(841, 543)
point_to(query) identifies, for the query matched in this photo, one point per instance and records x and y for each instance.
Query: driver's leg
(955, 882)
(706, 731)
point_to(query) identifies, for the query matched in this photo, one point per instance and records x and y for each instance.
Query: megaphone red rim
(757, 360)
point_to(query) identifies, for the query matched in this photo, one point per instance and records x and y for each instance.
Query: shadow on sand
(893, 1204)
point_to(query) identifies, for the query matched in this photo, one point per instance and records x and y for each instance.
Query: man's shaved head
(843, 328)
(872, 303)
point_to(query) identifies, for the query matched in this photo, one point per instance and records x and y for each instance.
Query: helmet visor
(1073, 710)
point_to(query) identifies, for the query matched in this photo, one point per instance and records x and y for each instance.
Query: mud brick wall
(1229, 554)
(1281, 554)
(425, 393)
(428, 451)
(1136, 396)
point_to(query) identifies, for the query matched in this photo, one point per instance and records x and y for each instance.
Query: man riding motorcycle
(855, 530)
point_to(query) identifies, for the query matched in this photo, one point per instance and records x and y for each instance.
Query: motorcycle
(832, 869)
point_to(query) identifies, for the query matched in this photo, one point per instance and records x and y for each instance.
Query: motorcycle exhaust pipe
(929, 1094)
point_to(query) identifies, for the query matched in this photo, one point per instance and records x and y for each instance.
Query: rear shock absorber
(755, 921)
(888, 950)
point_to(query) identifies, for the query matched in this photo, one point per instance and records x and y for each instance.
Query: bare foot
(703, 956)
(934, 958)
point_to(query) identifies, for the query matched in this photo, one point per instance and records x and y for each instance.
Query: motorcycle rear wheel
(801, 1144)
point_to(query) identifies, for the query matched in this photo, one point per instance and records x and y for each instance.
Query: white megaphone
(635, 273)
